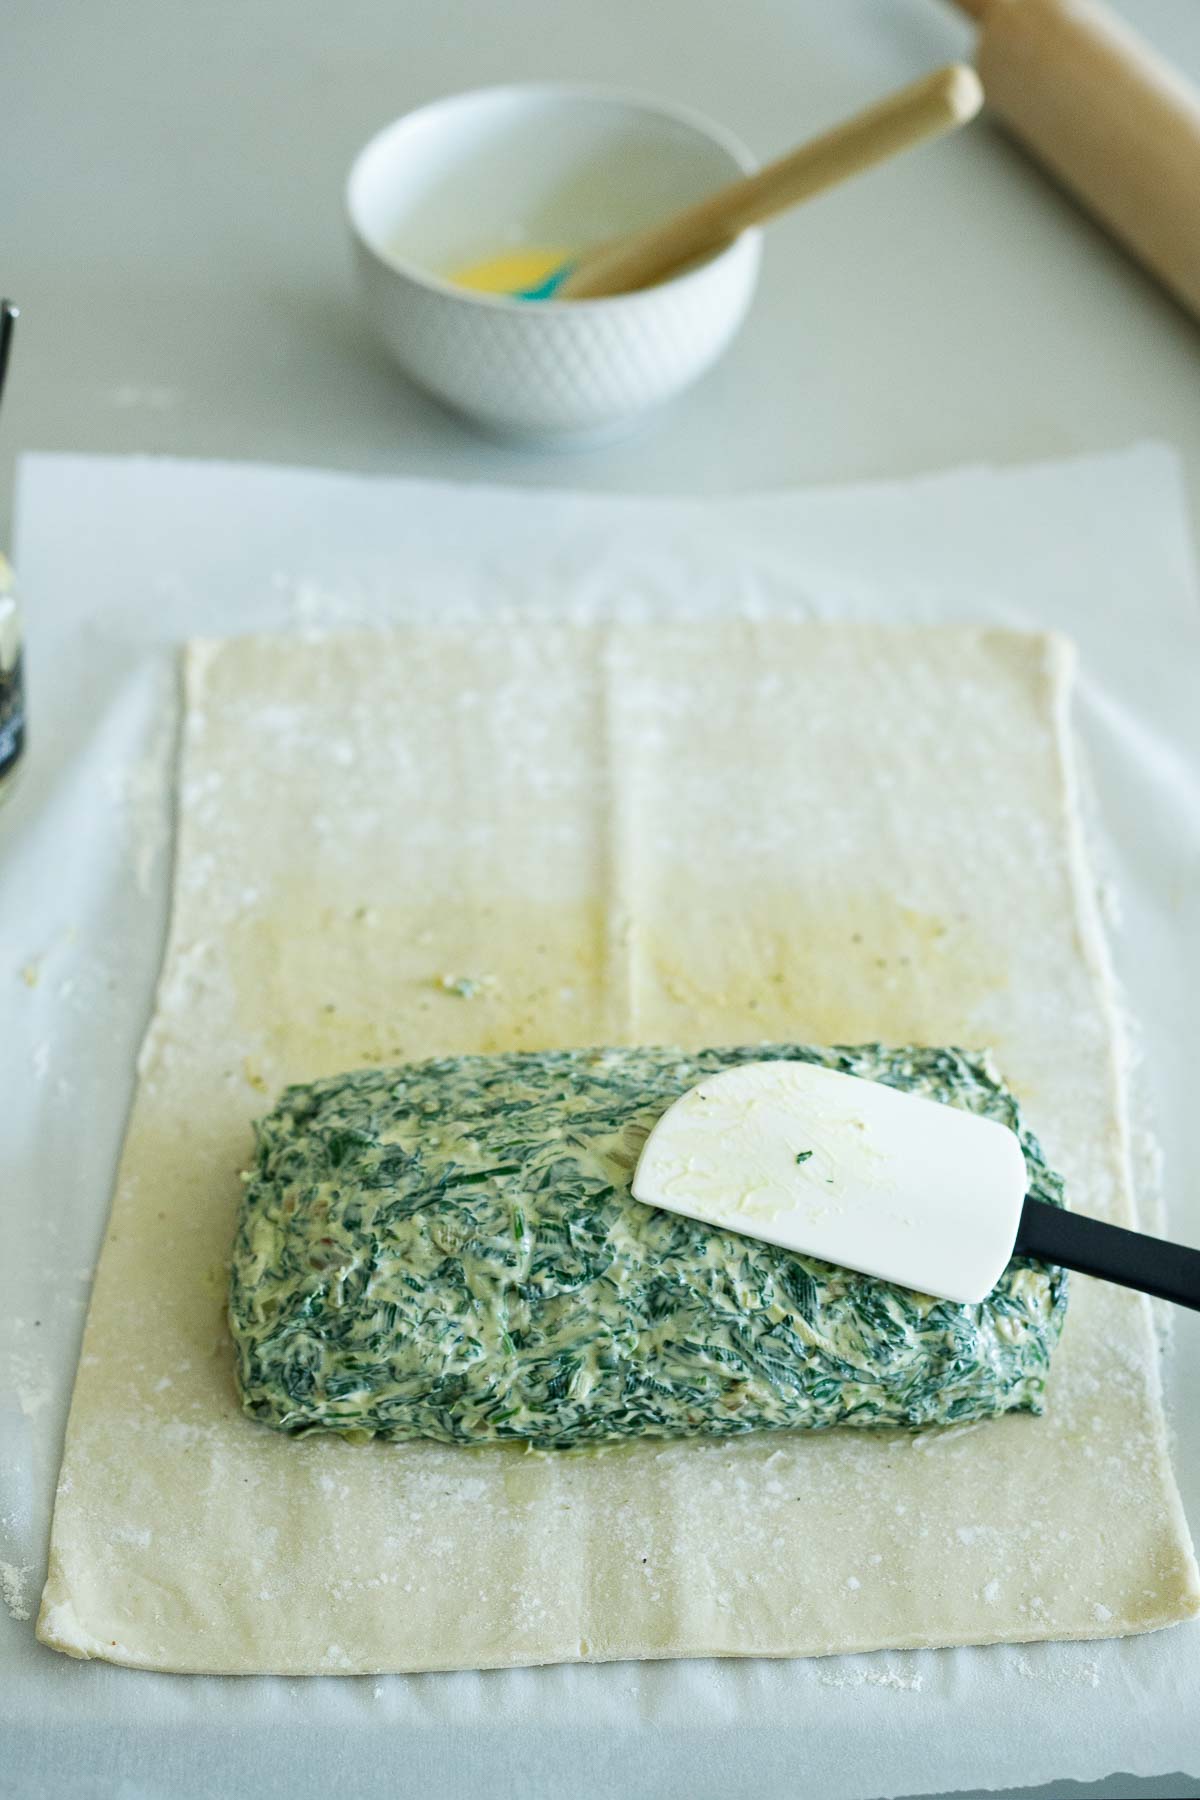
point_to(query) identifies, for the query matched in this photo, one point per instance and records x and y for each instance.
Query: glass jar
(12, 689)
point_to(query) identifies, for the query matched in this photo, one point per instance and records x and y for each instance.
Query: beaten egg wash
(510, 271)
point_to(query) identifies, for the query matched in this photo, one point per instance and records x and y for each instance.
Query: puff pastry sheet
(653, 833)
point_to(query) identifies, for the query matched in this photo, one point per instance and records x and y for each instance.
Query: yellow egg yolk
(510, 271)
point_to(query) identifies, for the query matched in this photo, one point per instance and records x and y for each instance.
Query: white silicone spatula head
(843, 1169)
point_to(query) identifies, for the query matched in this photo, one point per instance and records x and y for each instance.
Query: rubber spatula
(888, 1183)
(938, 103)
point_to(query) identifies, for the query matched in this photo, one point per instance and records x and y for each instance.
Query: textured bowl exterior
(567, 370)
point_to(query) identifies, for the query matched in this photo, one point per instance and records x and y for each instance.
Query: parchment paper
(1062, 539)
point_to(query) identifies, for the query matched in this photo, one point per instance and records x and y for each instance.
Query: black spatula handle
(1169, 1271)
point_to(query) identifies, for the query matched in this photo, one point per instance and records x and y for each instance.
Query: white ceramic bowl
(543, 165)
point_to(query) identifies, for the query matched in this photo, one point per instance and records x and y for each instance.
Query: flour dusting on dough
(12, 1588)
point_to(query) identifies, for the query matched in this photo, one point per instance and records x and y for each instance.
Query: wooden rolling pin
(1108, 116)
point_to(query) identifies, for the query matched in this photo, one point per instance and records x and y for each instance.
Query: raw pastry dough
(483, 838)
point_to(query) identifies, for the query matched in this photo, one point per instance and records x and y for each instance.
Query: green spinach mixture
(450, 1250)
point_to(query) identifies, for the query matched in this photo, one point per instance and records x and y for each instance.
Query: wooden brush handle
(1108, 116)
(941, 101)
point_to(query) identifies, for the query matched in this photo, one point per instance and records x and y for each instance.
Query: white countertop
(171, 198)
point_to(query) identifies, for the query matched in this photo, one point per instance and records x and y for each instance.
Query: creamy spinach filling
(450, 1250)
